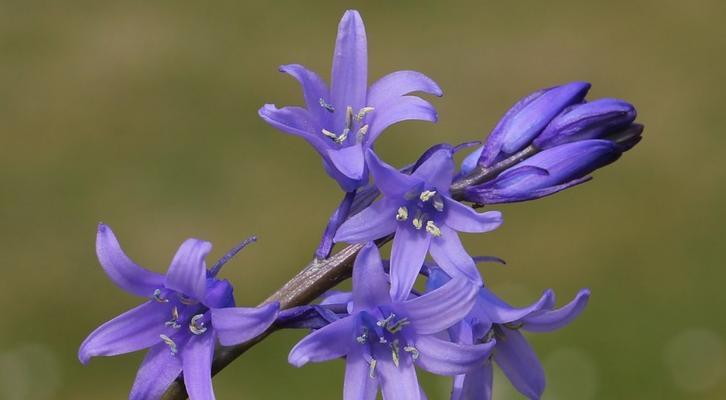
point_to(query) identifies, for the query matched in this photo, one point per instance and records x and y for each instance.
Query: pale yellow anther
(395, 349)
(372, 368)
(362, 112)
(330, 134)
(433, 229)
(343, 136)
(402, 214)
(349, 117)
(170, 343)
(363, 130)
(417, 223)
(426, 195)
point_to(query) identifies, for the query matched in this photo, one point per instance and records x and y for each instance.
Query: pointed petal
(403, 108)
(374, 222)
(476, 384)
(336, 297)
(370, 286)
(400, 83)
(336, 219)
(438, 310)
(442, 357)
(556, 319)
(327, 343)
(133, 330)
(450, 255)
(123, 272)
(389, 180)
(349, 78)
(237, 324)
(499, 312)
(466, 219)
(358, 384)
(197, 364)
(314, 89)
(438, 170)
(159, 369)
(188, 271)
(398, 383)
(407, 256)
(295, 121)
(520, 364)
(349, 161)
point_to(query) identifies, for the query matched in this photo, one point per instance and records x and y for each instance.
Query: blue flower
(342, 122)
(383, 339)
(424, 217)
(189, 309)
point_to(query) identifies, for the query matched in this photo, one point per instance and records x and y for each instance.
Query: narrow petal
(442, 357)
(123, 272)
(220, 293)
(389, 180)
(374, 222)
(348, 160)
(466, 219)
(197, 363)
(476, 384)
(336, 297)
(520, 364)
(336, 219)
(438, 310)
(327, 343)
(349, 78)
(295, 121)
(159, 369)
(403, 108)
(499, 312)
(358, 384)
(188, 271)
(438, 170)
(407, 256)
(314, 89)
(556, 319)
(237, 324)
(450, 255)
(133, 330)
(369, 280)
(400, 83)
(398, 383)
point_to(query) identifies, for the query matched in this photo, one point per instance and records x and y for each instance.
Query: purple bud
(591, 120)
(527, 118)
(547, 172)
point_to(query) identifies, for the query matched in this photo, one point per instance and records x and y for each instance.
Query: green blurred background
(143, 115)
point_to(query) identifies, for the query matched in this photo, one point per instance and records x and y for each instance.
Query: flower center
(426, 207)
(388, 333)
(352, 120)
(184, 311)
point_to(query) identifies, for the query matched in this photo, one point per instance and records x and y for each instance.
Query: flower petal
(466, 219)
(437, 170)
(159, 369)
(397, 383)
(327, 343)
(402, 108)
(369, 280)
(450, 255)
(407, 256)
(133, 330)
(476, 384)
(499, 312)
(358, 384)
(556, 319)
(336, 297)
(235, 325)
(123, 272)
(295, 121)
(520, 364)
(400, 83)
(439, 309)
(442, 357)
(376, 221)
(389, 180)
(348, 160)
(197, 363)
(220, 293)
(314, 89)
(188, 271)
(349, 78)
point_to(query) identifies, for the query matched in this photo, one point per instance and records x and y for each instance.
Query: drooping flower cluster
(385, 328)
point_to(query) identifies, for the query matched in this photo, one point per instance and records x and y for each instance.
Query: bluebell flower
(424, 217)
(342, 122)
(187, 311)
(383, 339)
(492, 319)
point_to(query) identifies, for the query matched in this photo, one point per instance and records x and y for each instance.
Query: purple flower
(425, 218)
(188, 310)
(383, 339)
(491, 319)
(343, 121)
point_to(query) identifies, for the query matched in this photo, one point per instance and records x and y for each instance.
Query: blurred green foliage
(143, 115)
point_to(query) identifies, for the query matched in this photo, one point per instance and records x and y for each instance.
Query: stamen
(349, 118)
(385, 321)
(170, 343)
(402, 214)
(197, 327)
(363, 338)
(174, 318)
(326, 106)
(372, 368)
(361, 133)
(362, 113)
(398, 325)
(514, 325)
(330, 134)
(427, 194)
(157, 296)
(433, 229)
(395, 349)
(414, 352)
(438, 203)
(186, 300)
(342, 136)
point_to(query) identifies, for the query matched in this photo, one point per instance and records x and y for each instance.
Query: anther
(170, 343)
(427, 194)
(417, 222)
(174, 318)
(438, 203)
(363, 338)
(330, 134)
(186, 300)
(362, 113)
(349, 117)
(197, 327)
(395, 349)
(326, 106)
(433, 229)
(157, 296)
(398, 325)
(514, 325)
(361, 133)
(343, 136)
(402, 214)
(372, 368)
(414, 352)
(385, 321)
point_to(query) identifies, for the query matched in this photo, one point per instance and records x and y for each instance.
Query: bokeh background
(143, 115)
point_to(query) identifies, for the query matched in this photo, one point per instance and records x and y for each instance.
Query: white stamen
(361, 133)
(174, 318)
(362, 112)
(330, 134)
(197, 327)
(326, 106)
(417, 223)
(349, 118)
(342, 136)
(372, 368)
(385, 321)
(433, 229)
(394, 353)
(186, 300)
(170, 343)
(398, 325)
(157, 296)
(402, 214)
(414, 352)
(363, 338)
(427, 194)
(438, 203)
